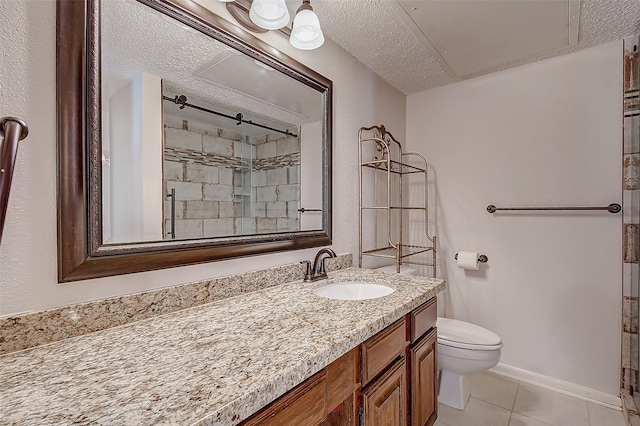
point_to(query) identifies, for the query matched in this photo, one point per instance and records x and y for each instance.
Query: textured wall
(543, 134)
(27, 90)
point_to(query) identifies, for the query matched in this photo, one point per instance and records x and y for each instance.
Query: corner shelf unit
(382, 231)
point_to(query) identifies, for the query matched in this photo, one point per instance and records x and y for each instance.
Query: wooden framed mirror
(95, 67)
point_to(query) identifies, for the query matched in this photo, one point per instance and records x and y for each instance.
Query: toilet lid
(463, 334)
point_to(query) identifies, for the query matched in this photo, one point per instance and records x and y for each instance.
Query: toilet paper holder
(481, 258)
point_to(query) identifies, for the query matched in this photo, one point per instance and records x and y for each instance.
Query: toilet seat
(463, 335)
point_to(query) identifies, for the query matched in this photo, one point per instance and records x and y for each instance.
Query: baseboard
(560, 386)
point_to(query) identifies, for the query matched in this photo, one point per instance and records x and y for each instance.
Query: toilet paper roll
(468, 260)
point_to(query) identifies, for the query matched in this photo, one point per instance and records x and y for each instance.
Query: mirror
(189, 143)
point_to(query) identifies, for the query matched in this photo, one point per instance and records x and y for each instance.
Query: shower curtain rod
(182, 101)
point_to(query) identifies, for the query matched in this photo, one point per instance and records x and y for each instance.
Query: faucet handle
(308, 273)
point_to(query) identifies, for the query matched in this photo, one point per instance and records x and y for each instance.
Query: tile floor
(496, 401)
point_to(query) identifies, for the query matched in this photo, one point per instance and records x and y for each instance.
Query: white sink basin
(352, 290)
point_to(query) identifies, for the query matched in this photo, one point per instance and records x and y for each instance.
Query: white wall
(150, 136)
(125, 196)
(27, 90)
(310, 171)
(133, 196)
(543, 134)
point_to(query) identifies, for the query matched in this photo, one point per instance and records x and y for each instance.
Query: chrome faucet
(317, 271)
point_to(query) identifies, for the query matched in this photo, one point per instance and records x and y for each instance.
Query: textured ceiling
(375, 32)
(177, 53)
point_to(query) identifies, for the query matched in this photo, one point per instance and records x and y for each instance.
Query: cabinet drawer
(423, 319)
(380, 350)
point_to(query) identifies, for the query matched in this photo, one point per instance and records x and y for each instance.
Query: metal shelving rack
(391, 167)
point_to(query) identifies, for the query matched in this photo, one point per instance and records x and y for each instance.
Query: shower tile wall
(631, 227)
(228, 187)
(276, 183)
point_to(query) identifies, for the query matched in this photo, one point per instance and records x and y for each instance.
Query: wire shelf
(396, 167)
(390, 251)
(381, 153)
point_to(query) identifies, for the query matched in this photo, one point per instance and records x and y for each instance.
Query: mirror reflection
(238, 176)
(200, 140)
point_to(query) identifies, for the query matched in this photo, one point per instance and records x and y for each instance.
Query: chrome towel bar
(611, 208)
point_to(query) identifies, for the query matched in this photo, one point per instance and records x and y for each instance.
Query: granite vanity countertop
(214, 364)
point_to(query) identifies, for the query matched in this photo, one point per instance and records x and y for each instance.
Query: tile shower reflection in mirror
(231, 174)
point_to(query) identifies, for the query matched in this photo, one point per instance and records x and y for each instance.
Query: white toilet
(463, 349)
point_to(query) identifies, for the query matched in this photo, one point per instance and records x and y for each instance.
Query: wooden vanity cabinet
(423, 365)
(381, 350)
(384, 377)
(424, 383)
(328, 398)
(391, 379)
(400, 371)
(384, 402)
(305, 404)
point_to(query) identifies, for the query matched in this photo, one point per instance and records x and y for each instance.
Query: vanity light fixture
(269, 14)
(306, 33)
(259, 16)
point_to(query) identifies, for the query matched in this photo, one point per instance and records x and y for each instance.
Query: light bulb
(269, 14)
(306, 33)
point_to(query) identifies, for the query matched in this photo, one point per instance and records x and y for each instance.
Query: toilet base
(454, 390)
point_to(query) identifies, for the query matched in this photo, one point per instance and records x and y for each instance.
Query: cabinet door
(384, 402)
(424, 383)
